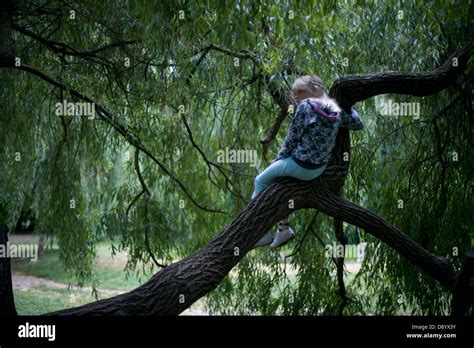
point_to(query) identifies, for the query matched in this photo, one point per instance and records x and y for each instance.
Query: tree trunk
(7, 303)
(175, 288)
(463, 293)
(41, 245)
(6, 42)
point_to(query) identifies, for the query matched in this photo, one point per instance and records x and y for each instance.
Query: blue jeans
(284, 167)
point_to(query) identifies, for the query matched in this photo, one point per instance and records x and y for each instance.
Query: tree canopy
(176, 82)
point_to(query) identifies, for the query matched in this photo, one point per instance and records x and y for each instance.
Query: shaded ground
(44, 286)
(23, 282)
(30, 289)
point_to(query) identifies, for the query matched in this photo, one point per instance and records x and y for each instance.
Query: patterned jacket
(312, 133)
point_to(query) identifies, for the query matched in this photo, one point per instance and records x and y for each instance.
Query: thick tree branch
(351, 89)
(175, 288)
(172, 290)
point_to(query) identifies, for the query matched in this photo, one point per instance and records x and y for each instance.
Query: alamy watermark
(83, 109)
(21, 251)
(28, 330)
(237, 156)
(356, 251)
(393, 108)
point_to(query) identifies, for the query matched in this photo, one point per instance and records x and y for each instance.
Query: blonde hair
(315, 85)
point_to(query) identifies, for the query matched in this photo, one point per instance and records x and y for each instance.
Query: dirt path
(23, 282)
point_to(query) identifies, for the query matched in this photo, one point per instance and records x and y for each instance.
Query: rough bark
(353, 88)
(175, 288)
(203, 271)
(193, 277)
(172, 290)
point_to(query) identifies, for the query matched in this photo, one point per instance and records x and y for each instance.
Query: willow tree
(174, 83)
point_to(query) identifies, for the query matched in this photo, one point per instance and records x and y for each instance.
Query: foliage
(226, 104)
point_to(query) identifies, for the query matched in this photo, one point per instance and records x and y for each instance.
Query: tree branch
(172, 290)
(351, 89)
(122, 129)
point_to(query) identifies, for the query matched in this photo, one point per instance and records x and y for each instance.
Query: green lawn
(110, 270)
(44, 298)
(40, 299)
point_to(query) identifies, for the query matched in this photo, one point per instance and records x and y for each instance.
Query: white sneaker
(265, 240)
(282, 237)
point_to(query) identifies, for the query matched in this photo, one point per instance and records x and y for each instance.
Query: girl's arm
(351, 121)
(295, 132)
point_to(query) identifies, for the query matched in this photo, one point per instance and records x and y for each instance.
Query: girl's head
(312, 87)
(307, 87)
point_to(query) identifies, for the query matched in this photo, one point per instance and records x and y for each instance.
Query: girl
(307, 146)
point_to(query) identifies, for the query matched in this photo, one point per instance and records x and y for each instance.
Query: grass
(43, 299)
(110, 271)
